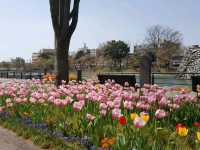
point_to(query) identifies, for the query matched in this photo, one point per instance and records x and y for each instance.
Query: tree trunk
(64, 19)
(120, 64)
(62, 65)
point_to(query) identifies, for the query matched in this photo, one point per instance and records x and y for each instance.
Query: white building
(35, 58)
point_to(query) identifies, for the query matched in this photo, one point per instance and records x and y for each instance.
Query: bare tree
(64, 19)
(165, 42)
(157, 35)
(153, 37)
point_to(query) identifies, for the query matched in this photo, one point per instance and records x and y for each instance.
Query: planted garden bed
(105, 115)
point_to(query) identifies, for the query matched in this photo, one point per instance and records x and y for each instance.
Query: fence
(30, 75)
(21, 75)
(162, 79)
(171, 79)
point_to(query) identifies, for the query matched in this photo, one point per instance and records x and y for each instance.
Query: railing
(170, 79)
(118, 73)
(21, 75)
(162, 79)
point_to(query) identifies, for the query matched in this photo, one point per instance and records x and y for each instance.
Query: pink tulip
(116, 113)
(163, 101)
(32, 100)
(147, 86)
(191, 98)
(103, 106)
(67, 100)
(139, 122)
(110, 104)
(90, 117)
(41, 100)
(174, 106)
(151, 99)
(160, 113)
(80, 97)
(77, 106)
(103, 112)
(58, 102)
(117, 104)
(128, 105)
(126, 84)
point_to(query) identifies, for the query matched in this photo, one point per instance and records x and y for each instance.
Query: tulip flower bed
(108, 115)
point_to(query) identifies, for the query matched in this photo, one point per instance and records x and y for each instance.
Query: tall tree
(164, 41)
(116, 50)
(46, 61)
(18, 63)
(79, 54)
(64, 19)
(157, 35)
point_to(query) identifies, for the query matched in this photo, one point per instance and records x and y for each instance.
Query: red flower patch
(122, 120)
(179, 125)
(196, 124)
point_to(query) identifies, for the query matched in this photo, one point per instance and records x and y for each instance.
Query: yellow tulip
(145, 117)
(133, 116)
(198, 136)
(182, 131)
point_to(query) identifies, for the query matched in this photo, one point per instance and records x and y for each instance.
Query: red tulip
(122, 120)
(196, 124)
(179, 125)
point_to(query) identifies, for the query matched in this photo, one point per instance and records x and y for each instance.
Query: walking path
(10, 141)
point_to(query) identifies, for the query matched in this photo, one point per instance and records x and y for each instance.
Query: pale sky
(25, 25)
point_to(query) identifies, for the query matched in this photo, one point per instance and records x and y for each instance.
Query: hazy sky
(25, 25)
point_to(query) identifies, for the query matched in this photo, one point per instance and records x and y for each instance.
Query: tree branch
(69, 30)
(54, 8)
(74, 17)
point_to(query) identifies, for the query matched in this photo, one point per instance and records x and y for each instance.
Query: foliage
(46, 61)
(18, 62)
(116, 50)
(80, 54)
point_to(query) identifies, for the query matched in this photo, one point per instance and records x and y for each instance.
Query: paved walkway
(10, 141)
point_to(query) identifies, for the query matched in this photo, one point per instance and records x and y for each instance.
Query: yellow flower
(133, 116)
(198, 136)
(182, 131)
(145, 117)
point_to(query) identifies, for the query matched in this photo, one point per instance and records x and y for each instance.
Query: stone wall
(190, 63)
